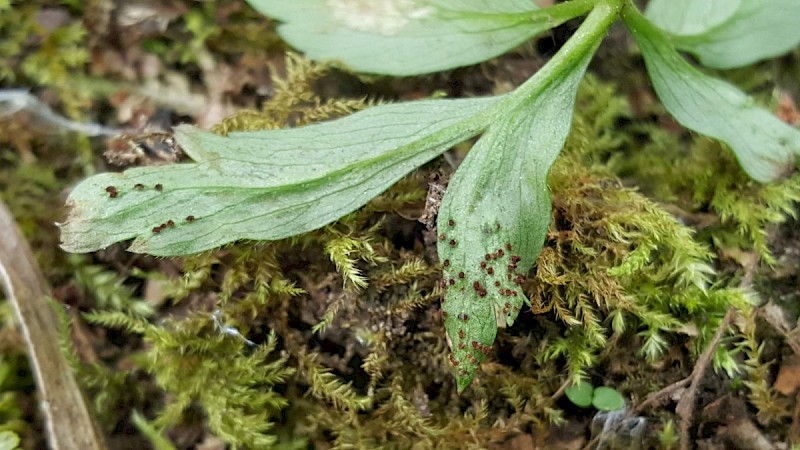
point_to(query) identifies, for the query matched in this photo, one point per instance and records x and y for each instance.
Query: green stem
(585, 40)
(562, 12)
(637, 23)
(553, 15)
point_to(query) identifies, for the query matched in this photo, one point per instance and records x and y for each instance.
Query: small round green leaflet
(607, 398)
(580, 394)
(8, 440)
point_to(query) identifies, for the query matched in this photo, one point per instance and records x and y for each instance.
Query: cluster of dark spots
(461, 346)
(453, 360)
(168, 224)
(461, 334)
(138, 186)
(442, 237)
(497, 283)
(508, 246)
(485, 349)
(500, 252)
(453, 243)
(451, 222)
(497, 226)
(461, 275)
(452, 281)
(190, 218)
(463, 316)
(159, 187)
(479, 289)
(446, 263)
(472, 359)
(515, 259)
(508, 292)
(443, 284)
(519, 279)
(483, 264)
(112, 191)
(488, 257)
(489, 270)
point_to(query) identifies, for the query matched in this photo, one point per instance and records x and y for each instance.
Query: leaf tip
(463, 381)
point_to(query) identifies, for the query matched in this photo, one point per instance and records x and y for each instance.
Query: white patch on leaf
(386, 17)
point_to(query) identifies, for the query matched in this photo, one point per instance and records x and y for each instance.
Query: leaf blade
(724, 34)
(265, 185)
(408, 37)
(764, 146)
(495, 214)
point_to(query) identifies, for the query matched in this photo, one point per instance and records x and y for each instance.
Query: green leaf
(729, 33)
(409, 37)
(689, 17)
(764, 146)
(265, 185)
(495, 214)
(607, 399)
(580, 394)
(8, 440)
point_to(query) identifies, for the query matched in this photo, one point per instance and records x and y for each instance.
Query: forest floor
(266, 345)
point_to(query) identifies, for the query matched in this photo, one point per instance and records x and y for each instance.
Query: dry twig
(68, 422)
(686, 405)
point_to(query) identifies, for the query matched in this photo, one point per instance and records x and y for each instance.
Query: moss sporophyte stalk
(272, 184)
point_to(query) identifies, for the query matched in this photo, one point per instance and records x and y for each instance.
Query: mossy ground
(333, 339)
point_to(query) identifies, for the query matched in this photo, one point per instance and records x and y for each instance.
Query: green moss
(351, 348)
(32, 56)
(294, 101)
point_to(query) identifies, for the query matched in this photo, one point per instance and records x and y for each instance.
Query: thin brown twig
(686, 405)
(658, 396)
(68, 423)
(561, 389)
